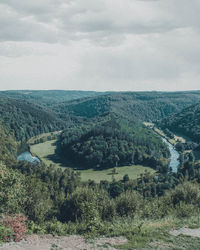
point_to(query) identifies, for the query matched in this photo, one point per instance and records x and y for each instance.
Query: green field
(46, 152)
(132, 171)
(44, 136)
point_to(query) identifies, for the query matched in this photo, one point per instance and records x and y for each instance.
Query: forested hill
(48, 97)
(142, 106)
(49, 111)
(115, 142)
(186, 122)
(8, 146)
(24, 120)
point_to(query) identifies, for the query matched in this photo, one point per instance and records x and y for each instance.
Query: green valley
(104, 168)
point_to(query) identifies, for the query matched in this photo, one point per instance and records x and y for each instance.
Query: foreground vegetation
(43, 199)
(58, 203)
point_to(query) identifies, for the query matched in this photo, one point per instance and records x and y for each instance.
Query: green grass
(46, 152)
(132, 171)
(155, 234)
(31, 141)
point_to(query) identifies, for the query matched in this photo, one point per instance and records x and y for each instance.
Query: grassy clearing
(155, 234)
(46, 152)
(44, 136)
(132, 171)
(173, 141)
(160, 132)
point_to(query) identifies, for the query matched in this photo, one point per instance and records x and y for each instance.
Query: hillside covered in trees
(140, 106)
(115, 142)
(47, 97)
(8, 146)
(186, 122)
(24, 119)
(102, 132)
(79, 105)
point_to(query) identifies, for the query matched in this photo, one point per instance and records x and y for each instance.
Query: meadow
(46, 152)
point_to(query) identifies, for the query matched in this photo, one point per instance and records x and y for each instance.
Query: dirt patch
(73, 242)
(186, 231)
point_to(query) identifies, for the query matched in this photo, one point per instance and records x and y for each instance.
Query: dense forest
(116, 142)
(139, 106)
(24, 119)
(186, 122)
(143, 106)
(48, 200)
(47, 97)
(8, 148)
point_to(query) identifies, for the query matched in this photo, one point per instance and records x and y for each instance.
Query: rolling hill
(139, 106)
(24, 120)
(111, 143)
(186, 122)
(48, 97)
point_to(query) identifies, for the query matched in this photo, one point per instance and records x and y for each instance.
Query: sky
(101, 45)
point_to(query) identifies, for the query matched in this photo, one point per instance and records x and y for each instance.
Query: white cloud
(100, 45)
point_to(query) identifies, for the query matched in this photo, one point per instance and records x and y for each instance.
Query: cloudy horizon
(103, 45)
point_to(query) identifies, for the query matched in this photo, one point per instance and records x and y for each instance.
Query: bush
(185, 210)
(181, 201)
(35, 228)
(6, 233)
(38, 204)
(79, 204)
(188, 193)
(12, 187)
(108, 209)
(83, 205)
(128, 203)
(56, 228)
(17, 225)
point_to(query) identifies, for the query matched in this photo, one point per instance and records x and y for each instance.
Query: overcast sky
(100, 44)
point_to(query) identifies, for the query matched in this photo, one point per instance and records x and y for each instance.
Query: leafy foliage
(47, 97)
(12, 189)
(56, 201)
(112, 143)
(128, 203)
(15, 227)
(8, 147)
(139, 106)
(24, 120)
(186, 122)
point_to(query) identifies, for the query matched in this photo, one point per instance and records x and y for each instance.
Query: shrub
(185, 210)
(128, 203)
(12, 188)
(55, 228)
(108, 209)
(35, 228)
(16, 223)
(83, 206)
(78, 205)
(6, 233)
(38, 203)
(187, 192)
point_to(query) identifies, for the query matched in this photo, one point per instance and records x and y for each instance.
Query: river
(27, 156)
(174, 160)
